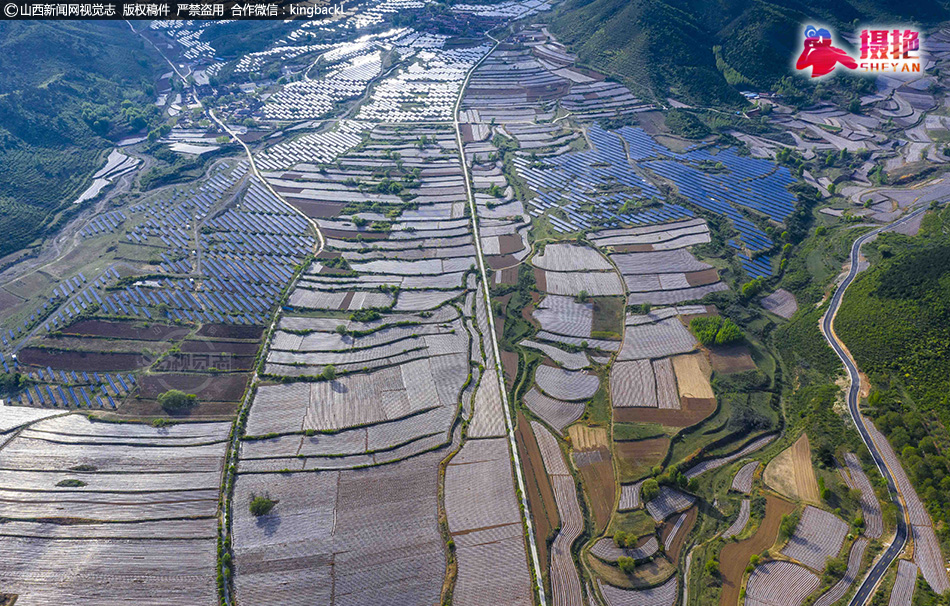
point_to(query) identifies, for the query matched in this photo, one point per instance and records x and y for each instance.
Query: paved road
(870, 582)
(509, 423)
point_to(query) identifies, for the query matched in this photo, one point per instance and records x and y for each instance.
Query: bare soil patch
(677, 546)
(597, 475)
(231, 331)
(316, 210)
(217, 388)
(727, 360)
(83, 360)
(510, 243)
(702, 278)
(692, 411)
(540, 494)
(735, 556)
(791, 473)
(127, 330)
(541, 279)
(635, 459)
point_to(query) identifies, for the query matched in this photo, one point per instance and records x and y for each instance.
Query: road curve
(871, 580)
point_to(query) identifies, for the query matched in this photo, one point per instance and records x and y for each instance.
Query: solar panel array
(236, 269)
(569, 182)
(75, 389)
(740, 182)
(103, 224)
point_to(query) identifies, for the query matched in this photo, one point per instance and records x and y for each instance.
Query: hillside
(896, 317)
(88, 82)
(703, 53)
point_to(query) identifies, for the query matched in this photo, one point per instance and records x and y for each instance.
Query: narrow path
(874, 576)
(509, 424)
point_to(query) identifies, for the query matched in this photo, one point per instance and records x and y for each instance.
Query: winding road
(870, 582)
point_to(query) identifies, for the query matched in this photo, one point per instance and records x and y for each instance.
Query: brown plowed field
(636, 459)
(540, 495)
(127, 330)
(597, 474)
(735, 556)
(692, 411)
(726, 360)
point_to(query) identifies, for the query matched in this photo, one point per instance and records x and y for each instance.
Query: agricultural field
(410, 305)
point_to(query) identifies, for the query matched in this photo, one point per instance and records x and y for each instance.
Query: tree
(329, 373)
(627, 565)
(712, 568)
(174, 400)
(650, 489)
(583, 296)
(261, 506)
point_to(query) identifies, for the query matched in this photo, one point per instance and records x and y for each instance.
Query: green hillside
(896, 317)
(66, 88)
(704, 52)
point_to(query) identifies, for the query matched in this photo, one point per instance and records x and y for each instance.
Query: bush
(627, 565)
(649, 490)
(177, 401)
(715, 330)
(261, 506)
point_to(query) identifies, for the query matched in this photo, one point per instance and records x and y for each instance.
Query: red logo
(820, 55)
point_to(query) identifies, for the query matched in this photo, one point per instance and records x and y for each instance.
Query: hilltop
(86, 83)
(703, 53)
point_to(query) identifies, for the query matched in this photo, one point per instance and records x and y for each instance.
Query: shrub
(650, 489)
(174, 400)
(261, 506)
(715, 330)
(627, 565)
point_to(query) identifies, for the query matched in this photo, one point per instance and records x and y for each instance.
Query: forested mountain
(66, 88)
(703, 52)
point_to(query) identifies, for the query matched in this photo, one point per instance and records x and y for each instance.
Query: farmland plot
(668, 502)
(485, 522)
(742, 482)
(556, 413)
(570, 385)
(927, 555)
(633, 383)
(662, 595)
(855, 478)
(334, 536)
(664, 338)
(607, 550)
(565, 316)
(569, 360)
(148, 501)
(565, 582)
(902, 593)
(819, 536)
(741, 521)
(851, 573)
(570, 257)
(780, 583)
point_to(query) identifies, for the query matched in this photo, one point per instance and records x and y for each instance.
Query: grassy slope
(895, 320)
(665, 47)
(56, 80)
